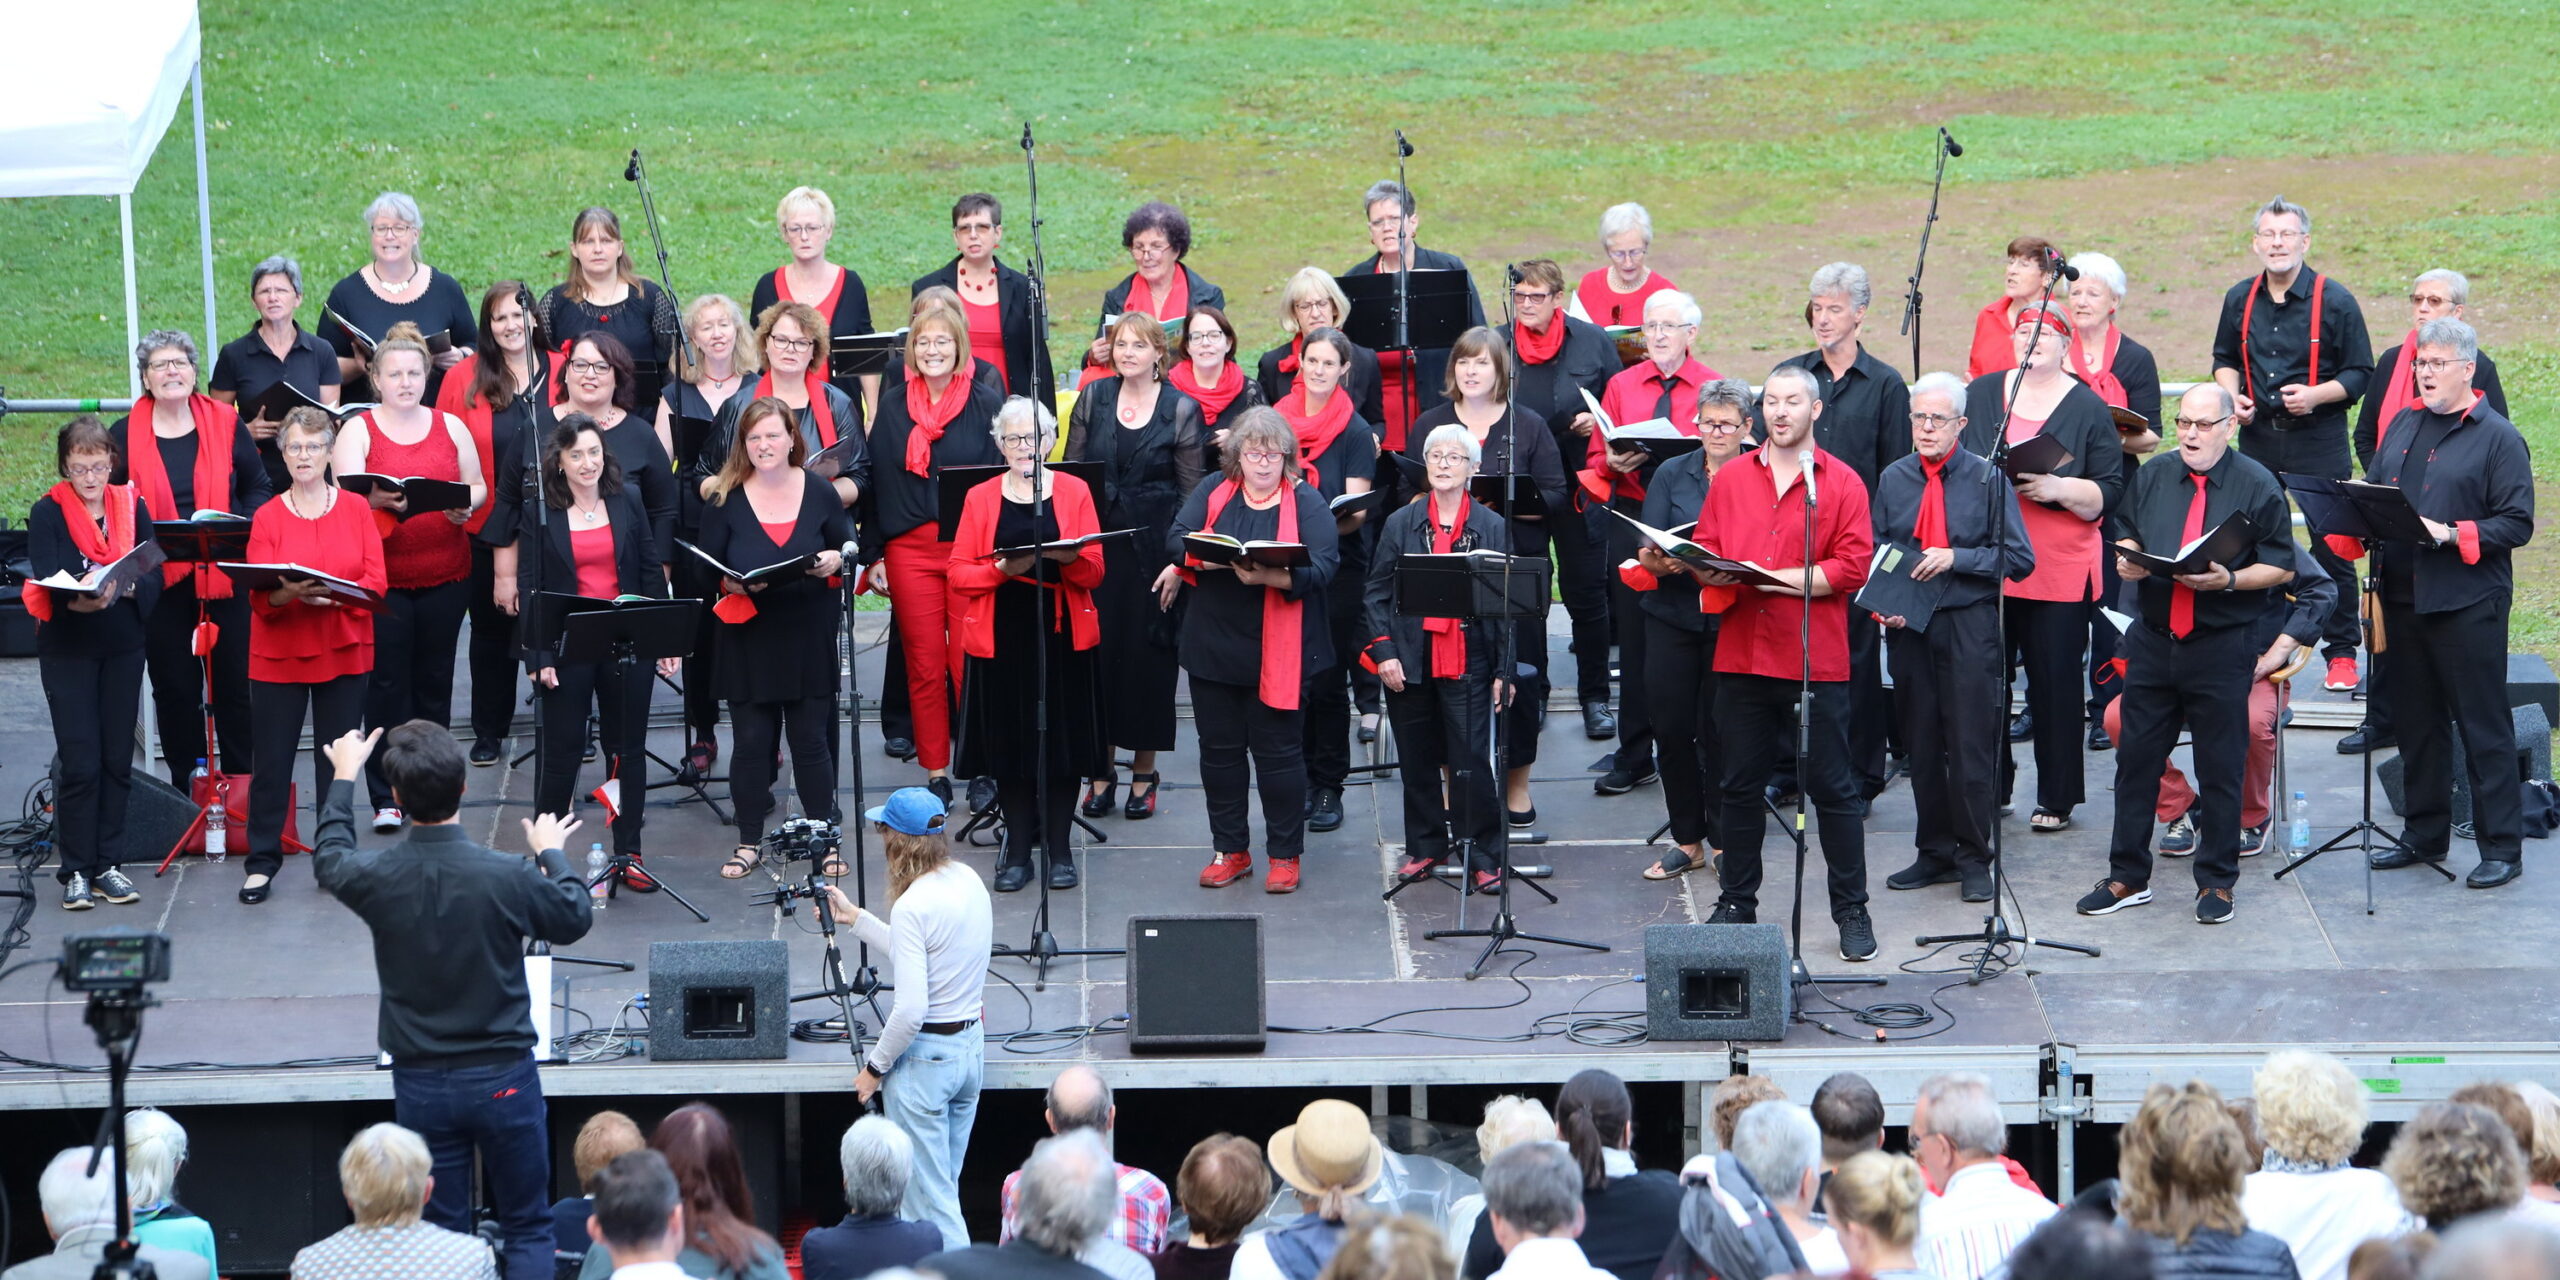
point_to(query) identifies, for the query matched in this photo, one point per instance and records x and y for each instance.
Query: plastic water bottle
(217, 823)
(2298, 833)
(599, 891)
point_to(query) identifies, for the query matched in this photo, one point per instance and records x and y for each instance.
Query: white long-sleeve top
(938, 937)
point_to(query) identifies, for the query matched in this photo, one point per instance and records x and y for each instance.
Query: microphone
(1403, 148)
(1511, 270)
(1954, 148)
(852, 548)
(1804, 463)
(2054, 264)
(1026, 135)
(631, 171)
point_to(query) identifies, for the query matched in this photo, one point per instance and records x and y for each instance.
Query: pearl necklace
(388, 287)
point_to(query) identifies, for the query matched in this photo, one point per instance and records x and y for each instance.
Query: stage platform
(2439, 985)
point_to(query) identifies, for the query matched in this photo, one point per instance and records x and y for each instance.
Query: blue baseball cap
(913, 811)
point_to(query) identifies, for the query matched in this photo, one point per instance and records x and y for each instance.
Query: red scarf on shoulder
(2399, 390)
(2101, 379)
(819, 413)
(1213, 398)
(1535, 347)
(1282, 637)
(215, 423)
(928, 417)
(1929, 528)
(1448, 643)
(1175, 304)
(1316, 429)
(94, 547)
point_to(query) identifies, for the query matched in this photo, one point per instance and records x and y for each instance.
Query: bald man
(1079, 1098)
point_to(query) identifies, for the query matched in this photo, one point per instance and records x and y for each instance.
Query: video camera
(114, 961)
(805, 839)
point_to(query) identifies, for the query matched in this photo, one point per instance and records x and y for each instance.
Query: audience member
(1079, 1098)
(605, 1136)
(1732, 1096)
(1329, 1158)
(1780, 1146)
(1629, 1216)
(876, 1157)
(2397, 1258)
(2455, 1161)
(2311, 1113)
(387, 1175)
(1379, 1246)
(721, 1239)
(2181, 1161)
(1874, 1203)
(2493, 1249)
(1851, 1116)
(2081, 1245)
(637, 1214)
(2509, 1104)
(1222, 1186)
(1509, 1120)
(2542, 1154)
(1533, 1195)
(155, 1149)
(2244, 1117)
(80, 1211)
(1979, 1213)
(1066, 1199)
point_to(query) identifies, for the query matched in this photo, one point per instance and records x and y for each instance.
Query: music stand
(862, 354)
(1438, 306)
(627, 635)
(199, 546)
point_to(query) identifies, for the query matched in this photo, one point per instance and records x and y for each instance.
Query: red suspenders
(2249, 308)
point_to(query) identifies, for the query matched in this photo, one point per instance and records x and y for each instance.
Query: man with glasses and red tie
(2189, 657)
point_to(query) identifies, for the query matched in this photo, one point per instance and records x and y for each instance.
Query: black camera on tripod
(805, 839)
(114, 961)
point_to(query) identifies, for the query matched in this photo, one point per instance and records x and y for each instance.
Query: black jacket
(637, 563)
(1200, 293)
(856, 1247)
(1517, 444)
(1553, 390)
(2218, 1255)
(115, 629)
(714, 451)
(1014, 1260)
(1627, 1225)
(1971, 486)
(2481, 477)
(1026, 362)
(1143, 480)
(1393, 634)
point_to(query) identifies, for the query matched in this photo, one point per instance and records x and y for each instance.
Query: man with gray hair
(2291, 348)
(1065, 1202)
(2491, 1247)
(1533, 1198)
(1079, 1098)
(1981, 1210)
(877, 1157)
(80, 1211)
(1780, 1146)
(2445, 604)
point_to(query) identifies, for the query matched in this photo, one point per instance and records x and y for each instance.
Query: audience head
(2244, 1117)
(1851, 1116)
(876, 1158)
(1533, 1189)
(639, 1210)
(1390, 1247)
(1732, 1096)
(425, 767)
(155, 1148)
(2081, 1245)
(1511, 1119)
(605, 1136)
(1874, 1203)
(385, 1173)
(2394, 1258)
(1222, 1187)
(1079, 1098)
(1956, 1122)
(1780, 1146)
(1069, 1190)
(2542, 1154)
(73, 1197)
(1329, 1156)
(2453, 1161)
(1594, 1114)
(702, 1151)
(2311, 1109)
(2501, 1100)
(2495, 1249)
(2181, 1161)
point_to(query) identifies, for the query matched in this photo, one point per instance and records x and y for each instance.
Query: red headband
(2044, 316)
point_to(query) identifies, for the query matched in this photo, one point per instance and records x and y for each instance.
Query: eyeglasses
(1198, 336)
(169, 365)
(2435, 366)
(394, 228)
(1260, 455)
(2201, 424)
(1626, 255)
(807, 228)
(1934, 420)
(589, 366)
(1305, 305)
(1382, 224)
(2429, 300)
(86, 470)
(1446, 458)
(1720, 428)
(304, 448)
(795, 344)
(1531, 295)
(1017, 442)
(1666, 326)
(2284, 237)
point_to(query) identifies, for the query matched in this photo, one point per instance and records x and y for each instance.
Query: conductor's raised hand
(348, 753)
(548, 831)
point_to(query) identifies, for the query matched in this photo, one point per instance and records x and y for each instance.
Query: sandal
(1100, 803)
(1140, 806)
(742, 863)
(1665, 869)
(2045, 822)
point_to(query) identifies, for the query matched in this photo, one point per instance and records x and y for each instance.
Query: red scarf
(826, 306)
(1930, 528)
(2102, 379)
(1535, 347)
(819, 413)
(96, 549)
(215, 422)
(1448, 643)
(1281, 637)
(1177, 298)
(1214, 398)
(926, 417)
(2400, 392)
(1317, 429)
(1289, 362)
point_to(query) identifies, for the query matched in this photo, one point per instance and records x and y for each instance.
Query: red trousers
(2176, 797)
(919, 582)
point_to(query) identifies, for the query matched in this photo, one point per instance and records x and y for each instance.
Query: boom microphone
(1954, 148)
(2055, 264)
(631, 171)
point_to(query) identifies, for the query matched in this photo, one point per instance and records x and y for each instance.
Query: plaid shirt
(1146, 1209)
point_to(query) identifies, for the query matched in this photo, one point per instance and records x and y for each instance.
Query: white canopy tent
(87, 90)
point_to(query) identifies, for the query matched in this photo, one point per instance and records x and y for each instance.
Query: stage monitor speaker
(1716, 982)
(719, 1001)
(1195, 984)
(153, 820)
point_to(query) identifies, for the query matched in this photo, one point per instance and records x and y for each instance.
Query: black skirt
(999, 700)
(1139, 663)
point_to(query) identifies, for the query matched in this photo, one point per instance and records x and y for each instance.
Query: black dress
(440, 306)
(786, 652)
(999, 697)
(1147, 471)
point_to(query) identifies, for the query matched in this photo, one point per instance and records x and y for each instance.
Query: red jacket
(974, 576)
(306, 643)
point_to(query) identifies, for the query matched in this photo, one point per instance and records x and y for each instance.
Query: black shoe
(898, 748)
(2493, 872)
(485, 752)
(982, 794)
(588, 756)
(112, 885)
(2394, 858)
(255, 894)
(2365, 739)
(1521, 819)
(1857, 935)
(1732, 913)
(2022, 726)
(1012, 876)
(2098, 739)
(1921, 875)
(1324, 809)
(1598, 721)
(2214, 906)
(1367, 731)
(1099, 804)
(941, 789)
(1620, 780)
(1978, 885)
(1062, 873)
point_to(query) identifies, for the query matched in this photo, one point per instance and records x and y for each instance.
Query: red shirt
(592, 550)
(303, 643)
(986, 336)
(425, 550)
(1746, 518)
(1632, 396)
(1992, 350)
(1603, 305)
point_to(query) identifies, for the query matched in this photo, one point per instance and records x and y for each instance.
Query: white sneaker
(386, 820)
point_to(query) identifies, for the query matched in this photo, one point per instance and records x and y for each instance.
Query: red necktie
(1929, 529)
(2182, 599)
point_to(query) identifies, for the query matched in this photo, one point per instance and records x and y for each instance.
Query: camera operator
(450, 921)
(931, 1055)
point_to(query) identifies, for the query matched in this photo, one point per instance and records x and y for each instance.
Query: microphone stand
(1798, 974)
(1404, 269)
(637, 174)
(1946, 147)
(865, 980)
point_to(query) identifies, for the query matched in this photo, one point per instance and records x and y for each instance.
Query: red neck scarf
(2101, 379)
(826, 306)
(1213, 398)
(1930, 528)
(819, 413)
(927, 417)
(1281, 638)
(1175, 303)
(215, 422)
(2401, 389)
(1535, 347)
(1448, 643)
(1289, 362)
(94, 547)
(1316, 429)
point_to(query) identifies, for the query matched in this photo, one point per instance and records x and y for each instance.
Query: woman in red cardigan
(1000, 604)
(2033, 264)
(305, 649)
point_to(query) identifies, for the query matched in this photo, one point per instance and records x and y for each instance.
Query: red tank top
(592, 549)
(427, 550)
(986, 337)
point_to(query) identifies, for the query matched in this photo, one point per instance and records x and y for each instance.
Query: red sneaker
(1488, 882)
(1416, 868)
(1283, 878)
(637, 880)
(2341, 677)
(1225, 869)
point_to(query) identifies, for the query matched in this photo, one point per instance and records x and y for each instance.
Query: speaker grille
(717, 1001)
(1195, 983)
(1716, 981)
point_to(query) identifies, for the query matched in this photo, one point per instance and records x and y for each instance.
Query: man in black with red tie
(2188, 657)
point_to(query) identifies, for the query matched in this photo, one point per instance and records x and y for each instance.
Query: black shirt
(114, 629)
(901, 500)
(1222, 636)
(1970, 484)
(1674, 497)
(1866, 412)
(248, 369)
(2279, 348)
(2474, 468)
(2484, 379)
(2154, 515)
(440, 305)
(1430, 364)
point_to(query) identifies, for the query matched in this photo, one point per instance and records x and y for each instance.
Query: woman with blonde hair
(1311, 301)
(1390, 1247)
(806, 217)
(2311, 1113)
(155, 1149)
(1874, 1203)
(2456, 1160)
(710, 372)
(2181, 1162)
(1509, 1120)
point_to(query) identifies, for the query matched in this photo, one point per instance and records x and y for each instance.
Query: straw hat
(1329, 1149)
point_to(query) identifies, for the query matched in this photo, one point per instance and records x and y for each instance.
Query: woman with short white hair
(386, 1175)
(1509, 1120)
(392, 287)
(1613, 296)
(2124, 375)
(2311, 1114)
(155, 1149)
(806, 218)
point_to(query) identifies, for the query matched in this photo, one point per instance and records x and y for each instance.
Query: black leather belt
(948, 1028)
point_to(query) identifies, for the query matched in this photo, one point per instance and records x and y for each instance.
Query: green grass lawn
(1766, 138)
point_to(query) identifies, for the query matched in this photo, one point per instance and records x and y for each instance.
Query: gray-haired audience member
(2495, 1249)
(1780, 1146)
(638, 1213)
(1533, 1195)
(1079, 1098)
(1978, 1215)
(1063, 1202)
(386, 1176)
(876, 1157)
(80, 1211)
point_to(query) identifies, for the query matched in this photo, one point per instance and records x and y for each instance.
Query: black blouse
(1222, 634)
(787, 651)
(1553, 389)
(644, 323)
(115, 629)
(1147, 470)
(1399, 635)
(438, 306)
(2080, 421)
(900, 501)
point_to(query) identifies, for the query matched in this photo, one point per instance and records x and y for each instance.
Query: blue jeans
(932, 1094)
(498, 1110)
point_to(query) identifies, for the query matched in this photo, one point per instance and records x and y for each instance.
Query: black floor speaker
(1195, 984)
(1716, 981)
(719, 1001)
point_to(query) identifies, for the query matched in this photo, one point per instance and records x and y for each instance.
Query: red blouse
(301, 643)
(592, 549)
(1603, 305)
(426, 550)
(986, 336)
(1991, 351)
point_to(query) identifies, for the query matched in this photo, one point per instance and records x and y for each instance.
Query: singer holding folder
(309, 656)
(1337, 457)
(394, 286)
(707, 380)
(1158, 238)
(499, 394)
(1562, 357)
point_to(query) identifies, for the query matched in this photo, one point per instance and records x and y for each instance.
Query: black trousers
(494, 670)
(1582, 576)
(276, 717)
(564, 721)
(1232, 721)
(701, 692)
(2378, 696)
(1871, 724)
(2449, 670)
(177, 679)
(1030, 817)
(2318, 451)
(1681, 664)
(1946, 689)
(1444, 724)
(414, 636)
(2049, 636)
(1635, 708)
(93, 698)
(1330, 697)
(755, 729)
(1756, 714)
(2201, 683)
